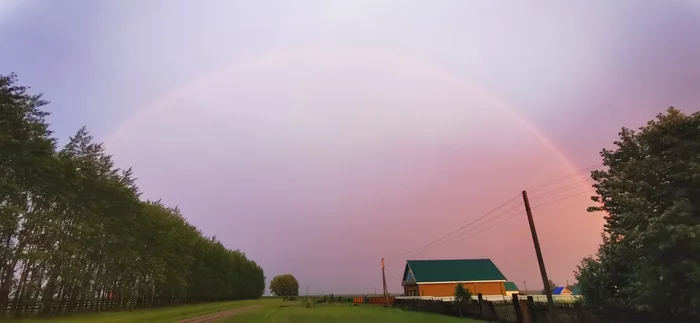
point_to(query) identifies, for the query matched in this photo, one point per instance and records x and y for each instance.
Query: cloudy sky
(319, 136)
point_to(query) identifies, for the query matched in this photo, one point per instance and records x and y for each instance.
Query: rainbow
(161, 104)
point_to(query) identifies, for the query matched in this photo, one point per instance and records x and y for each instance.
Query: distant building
(438, 278)
(511, 289)
(576, 291)
(561, 291)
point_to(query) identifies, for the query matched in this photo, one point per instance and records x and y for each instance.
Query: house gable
(408, 278)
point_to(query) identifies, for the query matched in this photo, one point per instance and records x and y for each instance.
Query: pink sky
(320, 137)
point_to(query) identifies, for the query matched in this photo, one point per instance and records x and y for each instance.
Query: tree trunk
(19, 291)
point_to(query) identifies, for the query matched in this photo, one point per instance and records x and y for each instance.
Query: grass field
(286, 312)
(161, 315)
(268, 311)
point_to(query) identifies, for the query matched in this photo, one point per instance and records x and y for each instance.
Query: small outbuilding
(511, 289)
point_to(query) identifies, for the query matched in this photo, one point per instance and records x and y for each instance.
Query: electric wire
(563, 178)
(461, 228)
(467, 236)
(466, 233)
(561, 189)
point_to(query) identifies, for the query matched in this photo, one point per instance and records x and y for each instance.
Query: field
(284, 313)
(266, 310)
(161, 315)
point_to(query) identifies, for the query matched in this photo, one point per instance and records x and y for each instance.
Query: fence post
(532, 310)
(480, 297)
(518, 311)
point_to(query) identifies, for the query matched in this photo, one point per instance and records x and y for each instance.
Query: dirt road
(218, 315)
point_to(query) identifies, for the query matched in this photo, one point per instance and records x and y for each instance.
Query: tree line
(75, 235)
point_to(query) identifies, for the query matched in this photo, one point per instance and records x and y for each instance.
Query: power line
(466, 234)
(563, 198)
(565, 177)
(467, 237)
(535, 188)
(561, 189)
(461, 228)
(489, 227)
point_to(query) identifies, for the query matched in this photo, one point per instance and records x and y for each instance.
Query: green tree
(651, 194)
(284, 285)
(462, 297)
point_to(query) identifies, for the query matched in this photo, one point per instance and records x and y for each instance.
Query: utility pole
(525, 283)
(543, 271)
(386, 296)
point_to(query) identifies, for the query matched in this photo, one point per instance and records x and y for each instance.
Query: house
(561, 291)
(511, 289)
(438, 278)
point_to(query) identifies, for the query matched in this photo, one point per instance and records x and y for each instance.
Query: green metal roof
(511, 287)
(430, 271)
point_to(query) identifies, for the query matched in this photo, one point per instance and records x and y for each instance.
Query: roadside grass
(160, 315)
(341, 313)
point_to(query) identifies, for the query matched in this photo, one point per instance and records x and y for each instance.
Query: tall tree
(74, 233)
(26, 151)
(651, 194)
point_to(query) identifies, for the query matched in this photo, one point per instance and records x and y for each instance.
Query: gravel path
(219, 315)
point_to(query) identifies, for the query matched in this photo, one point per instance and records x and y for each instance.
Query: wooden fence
(529, 311)
(373, 300)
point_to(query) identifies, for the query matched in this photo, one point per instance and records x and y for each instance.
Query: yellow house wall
(448, 289)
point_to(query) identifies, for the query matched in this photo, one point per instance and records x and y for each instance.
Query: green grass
(161, 315)
(293, 313)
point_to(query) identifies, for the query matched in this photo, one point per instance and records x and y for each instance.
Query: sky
(319, 136)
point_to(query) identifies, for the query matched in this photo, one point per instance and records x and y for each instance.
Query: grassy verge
(283, 313)
(161, 315)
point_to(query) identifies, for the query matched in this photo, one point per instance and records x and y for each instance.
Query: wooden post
(480, 297)
(518, 311)
(386, 295)
(532, 309)
(540, 261)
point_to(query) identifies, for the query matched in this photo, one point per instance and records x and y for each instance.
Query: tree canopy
(74, 231)
(284, 285)
(650, 190)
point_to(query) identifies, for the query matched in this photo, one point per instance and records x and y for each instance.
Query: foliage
(73, 229)
(462, 296)
(327, 299)
(284, 285)
(651, 194)
(552, 286)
